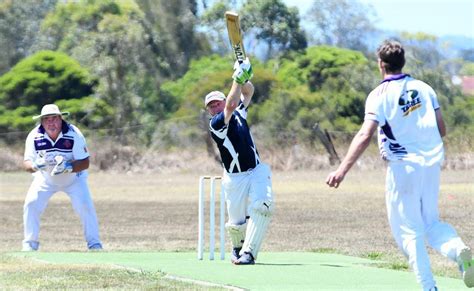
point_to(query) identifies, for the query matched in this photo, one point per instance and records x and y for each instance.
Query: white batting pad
(256, 229)
(236, 233)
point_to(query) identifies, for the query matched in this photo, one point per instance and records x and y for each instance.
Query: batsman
(246, 180)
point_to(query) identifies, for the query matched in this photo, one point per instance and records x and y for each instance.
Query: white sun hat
(50, 109)
(212, 96)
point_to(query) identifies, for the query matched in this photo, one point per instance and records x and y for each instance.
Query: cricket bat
(235, 35)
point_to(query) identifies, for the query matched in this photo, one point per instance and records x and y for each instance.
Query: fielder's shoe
(235, 256)
(245, 259)
(467, 266)
(29, 247)
(95, 247)
(434, 289)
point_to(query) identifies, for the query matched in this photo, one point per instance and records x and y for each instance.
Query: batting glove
(247, 67)
(62, 166)
(240, 76)
(39, 164)
(242, 71)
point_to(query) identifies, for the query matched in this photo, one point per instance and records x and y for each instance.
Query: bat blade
(235, 35)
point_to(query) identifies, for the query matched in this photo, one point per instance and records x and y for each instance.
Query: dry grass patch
(22, 273)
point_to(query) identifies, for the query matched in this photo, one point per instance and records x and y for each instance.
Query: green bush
(49, 77)
(316, 65)
(44, 78)
(209, 74)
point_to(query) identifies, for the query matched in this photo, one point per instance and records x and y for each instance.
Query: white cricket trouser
(412, 207)
(241, 189)
(37, 199)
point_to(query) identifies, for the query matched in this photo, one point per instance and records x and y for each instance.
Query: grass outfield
(274, 271)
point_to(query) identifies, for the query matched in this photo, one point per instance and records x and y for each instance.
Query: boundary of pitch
(166, 276)
(185, 280)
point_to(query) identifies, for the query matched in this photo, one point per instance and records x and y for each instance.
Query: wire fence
(184, 143)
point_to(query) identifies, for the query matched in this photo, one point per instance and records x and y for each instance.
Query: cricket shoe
(30, 247)
(246, 259)
(467, 266)
(235, 256)
(27, 248)
(95, 247)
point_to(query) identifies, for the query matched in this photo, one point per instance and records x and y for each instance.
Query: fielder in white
(246, 180)
(408, 116)
(56, 153)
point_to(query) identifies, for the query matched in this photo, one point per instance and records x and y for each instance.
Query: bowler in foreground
(410, 126)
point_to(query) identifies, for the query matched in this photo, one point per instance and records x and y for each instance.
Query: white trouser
(412, 207)
(241, 189)
(37, 199)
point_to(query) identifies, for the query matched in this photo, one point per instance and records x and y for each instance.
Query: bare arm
(247, 92)
(440, 122)
(358, 145)
(232, 101)
(28, 166)
(80, 165)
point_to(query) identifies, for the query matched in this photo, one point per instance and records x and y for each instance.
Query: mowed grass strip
(24, 273)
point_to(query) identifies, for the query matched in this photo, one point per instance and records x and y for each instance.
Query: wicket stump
(212, 201)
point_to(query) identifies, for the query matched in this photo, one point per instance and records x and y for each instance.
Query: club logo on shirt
(67, 144)
(409, 102)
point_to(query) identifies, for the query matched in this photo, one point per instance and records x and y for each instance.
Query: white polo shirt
(70, 144)
(404, 109)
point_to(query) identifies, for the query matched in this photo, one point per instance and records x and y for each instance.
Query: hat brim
(214, 99)
(39, 116)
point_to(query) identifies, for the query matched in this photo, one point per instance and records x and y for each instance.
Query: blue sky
(437, 17)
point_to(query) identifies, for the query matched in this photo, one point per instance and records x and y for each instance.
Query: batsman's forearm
(232, 101)
(233, 98)
(248, 89)
(234, 94)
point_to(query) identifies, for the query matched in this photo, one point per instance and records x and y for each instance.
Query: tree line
(114, 64)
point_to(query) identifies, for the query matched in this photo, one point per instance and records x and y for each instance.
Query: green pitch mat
(274, 271)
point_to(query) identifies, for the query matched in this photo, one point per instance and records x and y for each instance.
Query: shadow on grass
(274, 264)
(332, 265)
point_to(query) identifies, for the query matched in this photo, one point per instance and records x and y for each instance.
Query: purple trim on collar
(64, 128)
(41, 129)
(395, 77)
